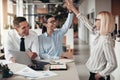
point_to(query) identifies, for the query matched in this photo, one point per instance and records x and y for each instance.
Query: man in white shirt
(13, 39)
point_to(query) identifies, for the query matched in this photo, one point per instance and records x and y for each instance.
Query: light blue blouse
(51, 46)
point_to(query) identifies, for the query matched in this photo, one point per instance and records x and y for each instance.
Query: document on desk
(31, 74)
(5, 62)
(64, 60)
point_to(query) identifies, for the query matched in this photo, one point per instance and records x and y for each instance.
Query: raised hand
(69, 2)
(71, 6)
(68, 7)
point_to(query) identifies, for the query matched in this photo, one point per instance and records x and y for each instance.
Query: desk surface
(70, 74)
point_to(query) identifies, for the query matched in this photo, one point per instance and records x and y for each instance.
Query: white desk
(70, 74)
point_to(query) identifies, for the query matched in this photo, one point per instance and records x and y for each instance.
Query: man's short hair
(18, 20)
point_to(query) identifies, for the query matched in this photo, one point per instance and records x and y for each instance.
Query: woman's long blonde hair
(107, 24)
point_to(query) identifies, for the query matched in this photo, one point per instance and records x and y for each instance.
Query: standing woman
(102, 60)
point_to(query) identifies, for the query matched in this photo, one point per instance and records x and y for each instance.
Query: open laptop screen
(21, 57)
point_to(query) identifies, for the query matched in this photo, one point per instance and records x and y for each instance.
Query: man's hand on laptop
(32, 55)
(13, 60)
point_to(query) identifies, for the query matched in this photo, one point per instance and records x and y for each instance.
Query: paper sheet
(31, 74)
(5, 62)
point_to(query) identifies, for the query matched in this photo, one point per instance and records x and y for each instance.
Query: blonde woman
(102, 60)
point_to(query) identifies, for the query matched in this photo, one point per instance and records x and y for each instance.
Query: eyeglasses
(97, 19)
(53, 21)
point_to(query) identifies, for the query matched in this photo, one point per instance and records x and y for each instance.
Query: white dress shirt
(12, 42)
(102, 58)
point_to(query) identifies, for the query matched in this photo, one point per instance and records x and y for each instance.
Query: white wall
(87, 7)
(69, 38)
(82, 30)
(91, 6)
(1, 20)
(116, 73)
(103, 5)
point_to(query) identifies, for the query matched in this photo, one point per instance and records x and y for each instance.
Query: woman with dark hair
(50, 41)
(44, 29)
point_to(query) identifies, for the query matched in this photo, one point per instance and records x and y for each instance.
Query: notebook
(21, 57)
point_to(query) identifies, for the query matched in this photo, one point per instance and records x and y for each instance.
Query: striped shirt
(102, 58)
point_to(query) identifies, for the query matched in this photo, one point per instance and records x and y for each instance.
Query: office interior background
(78, 39)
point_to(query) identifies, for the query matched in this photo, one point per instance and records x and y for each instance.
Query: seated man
(21, 38)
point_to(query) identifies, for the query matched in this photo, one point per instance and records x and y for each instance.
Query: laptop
(21, 57)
